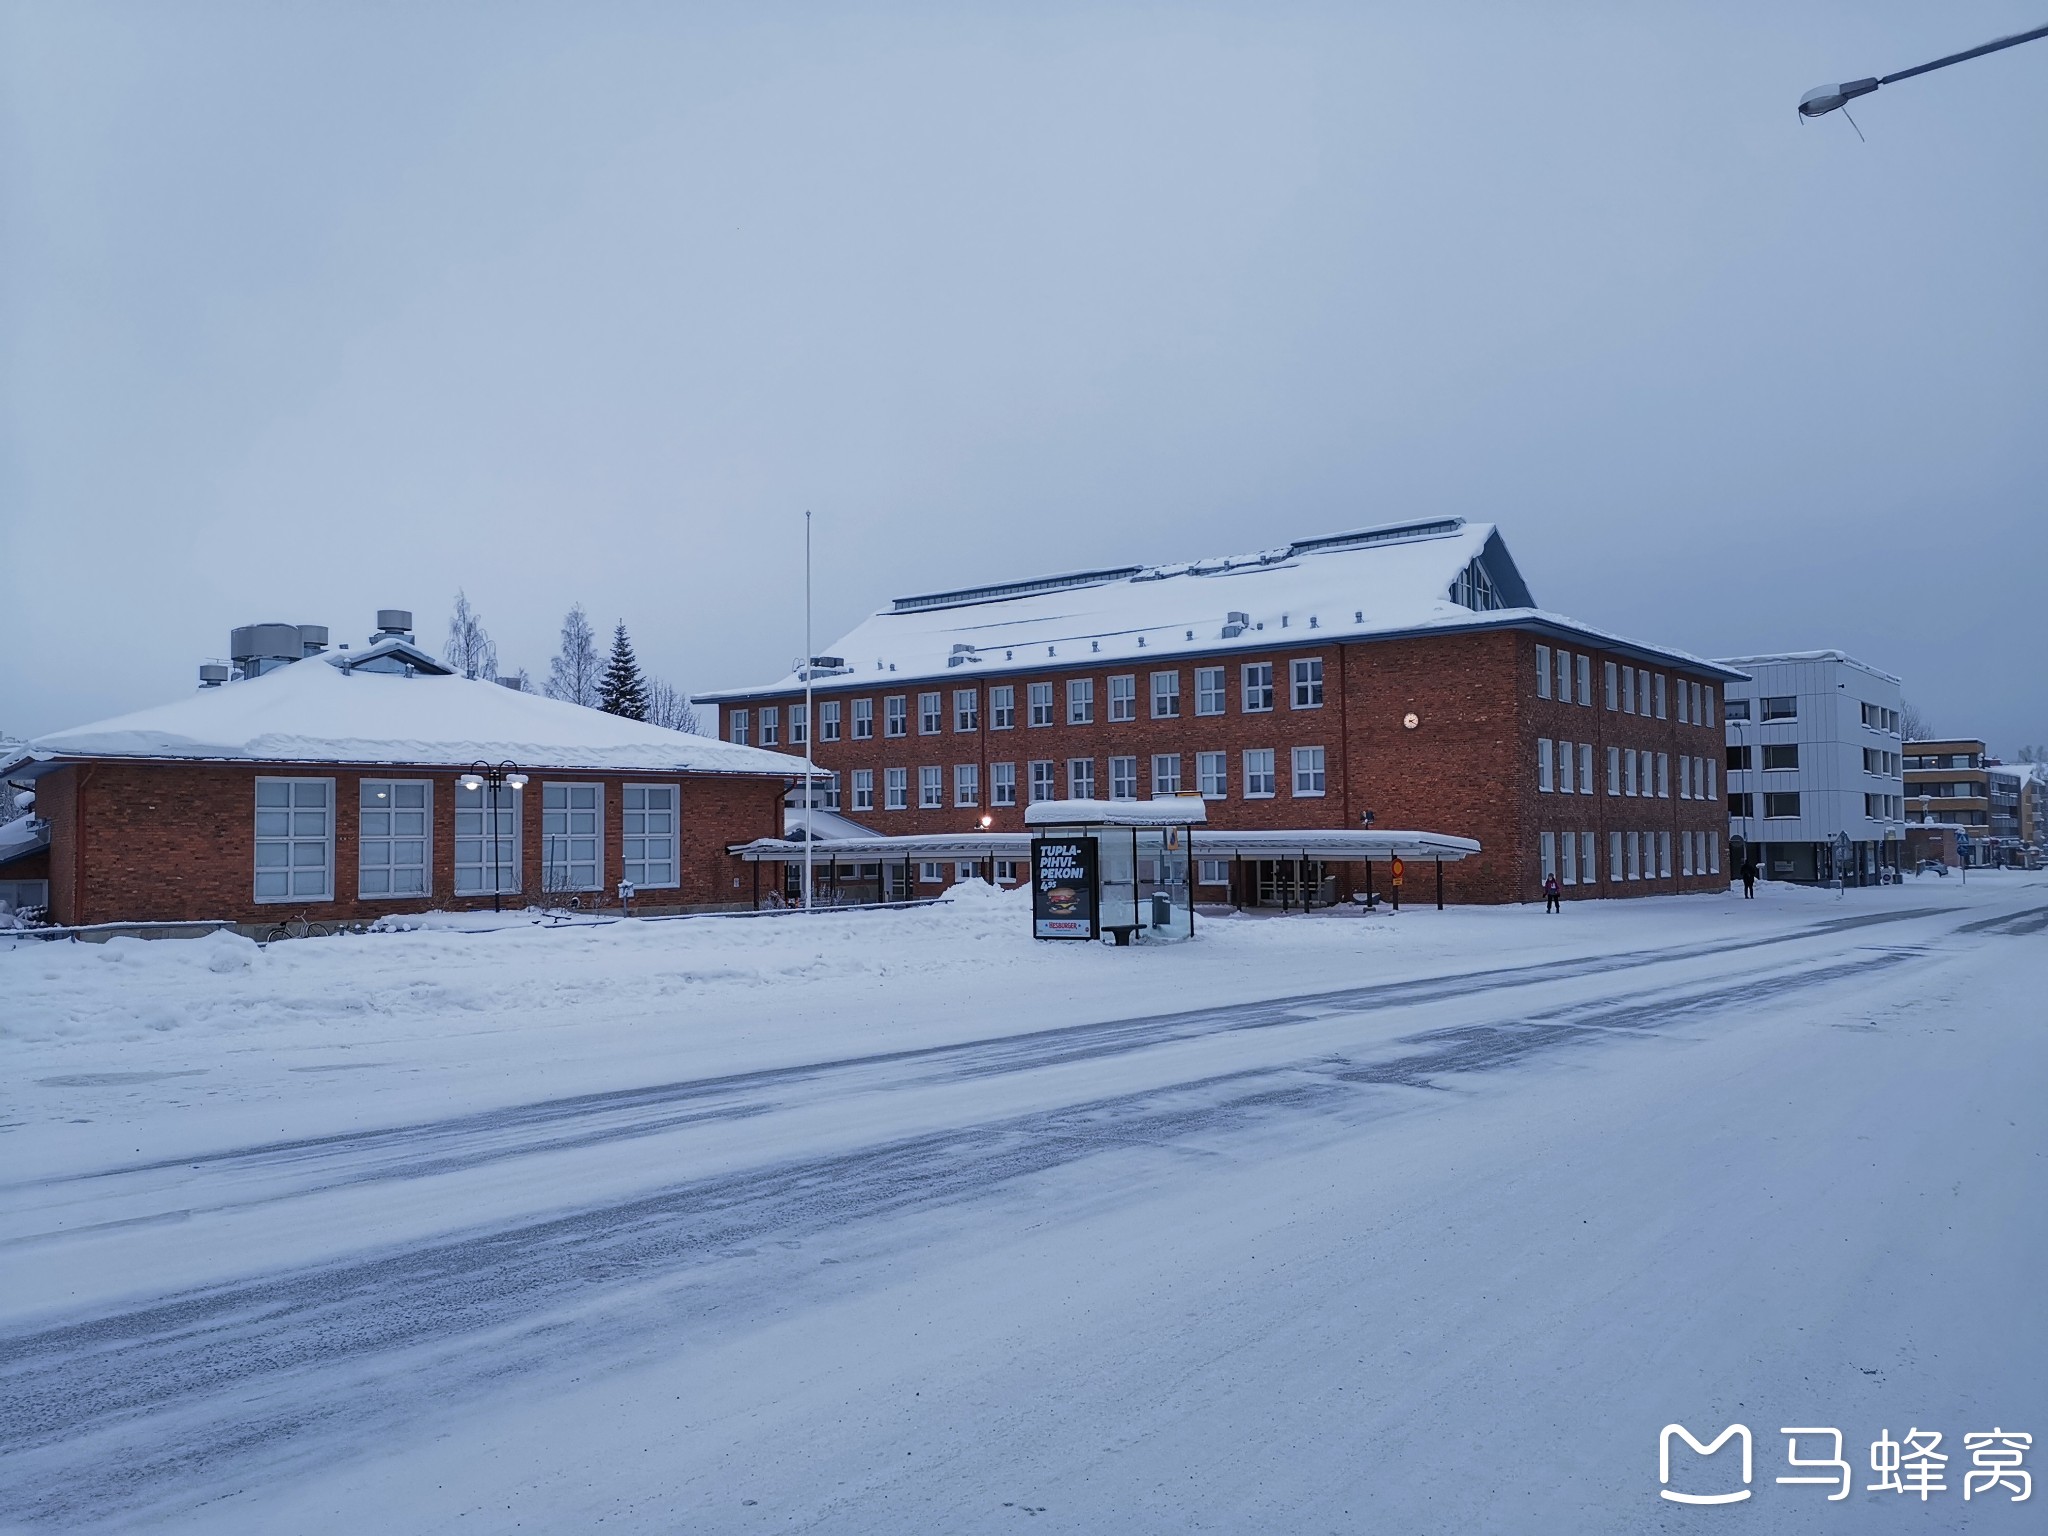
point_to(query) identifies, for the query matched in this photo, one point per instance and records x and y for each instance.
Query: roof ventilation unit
(312, 639)
(1235, 624)
(393, 624)
(259, 648)
(961, 654)
(213, 673)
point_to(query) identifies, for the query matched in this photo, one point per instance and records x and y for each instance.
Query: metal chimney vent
(260, 648)
(394, 622)
(213, 673)
(1235, 624)
(312, 639)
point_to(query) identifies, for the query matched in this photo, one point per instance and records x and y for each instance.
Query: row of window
(1878, 718)
(1567, 676)
(1565, 767)
(1258, 768)
(1778, 806)
(1778, 706)
(295, 826)
(1946, 760)
(1257, 692)
(1571, 856)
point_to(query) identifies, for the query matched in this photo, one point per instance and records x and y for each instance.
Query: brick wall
(1467, 767)
(136, 842)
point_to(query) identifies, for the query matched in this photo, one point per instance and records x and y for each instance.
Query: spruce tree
(622, 690)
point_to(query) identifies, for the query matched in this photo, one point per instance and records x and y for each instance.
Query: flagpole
(810, 726)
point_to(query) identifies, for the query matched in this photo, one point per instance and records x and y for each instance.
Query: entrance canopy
(1327, 845)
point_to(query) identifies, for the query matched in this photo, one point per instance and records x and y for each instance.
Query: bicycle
(299, 927)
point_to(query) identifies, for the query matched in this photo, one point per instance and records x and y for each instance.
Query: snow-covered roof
(1371, 583)
(23, 836)
(1166, 811)
(1779, 658)
(317, 711)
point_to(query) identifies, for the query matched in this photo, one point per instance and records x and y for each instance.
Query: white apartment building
(1814, 759)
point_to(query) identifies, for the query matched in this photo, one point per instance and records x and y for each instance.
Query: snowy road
(1437, 1252)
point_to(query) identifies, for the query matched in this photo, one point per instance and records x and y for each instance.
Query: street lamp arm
(1823, 99)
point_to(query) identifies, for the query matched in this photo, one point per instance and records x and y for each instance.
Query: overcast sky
(307, 310)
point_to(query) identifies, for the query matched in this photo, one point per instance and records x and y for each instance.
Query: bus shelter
(1115, 867)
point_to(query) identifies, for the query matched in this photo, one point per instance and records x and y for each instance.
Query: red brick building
(1402, 674)
(345, 787)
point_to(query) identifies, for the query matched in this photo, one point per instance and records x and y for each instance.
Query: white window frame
(1607, 676)
(1543, 760)
(1212, 871)
(966, 711)
(1663, 775)
(1002, 784)
(829, 712)
(1123, 698)
(1311, 773)
(1255, 688)
(365, 838)
(1664, 855)
(1542, 671)
(1080, 778)
(1080, 701)
(294, 837)
(627, 836)
(799, 724)
(1002, 707)
(1259, 770)
(1166, 695)
(1613, 771)
(1006, 869)
(1585, 768)
(1165, 773)
(1659, 686)
(1564, 676)
(895, 789)
(967, 785)
(1585, 675)
(1123, 778)
(931, 872)
(1212, 775)
(863, 719)
(1564, 767)
(1211, 692)
(511, 838)
(1546, 854)
(896, 715)
(931, 711)
(1628, 689)
(771, 725)
(1305, 679)
(1039, 696)
(1589, 873)
(863, 789)
(1045, 783)
(931, 787)
(1616, 872)
(1568, 858)
(549, 841)
(738, 727)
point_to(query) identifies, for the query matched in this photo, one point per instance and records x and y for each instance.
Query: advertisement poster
(1063, 888)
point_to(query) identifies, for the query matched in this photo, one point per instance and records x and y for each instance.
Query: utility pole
(810, 726)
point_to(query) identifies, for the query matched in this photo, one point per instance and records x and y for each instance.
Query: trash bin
(1162, 910)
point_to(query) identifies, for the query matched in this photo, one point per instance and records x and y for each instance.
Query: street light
(1823, 99)
(477, 777)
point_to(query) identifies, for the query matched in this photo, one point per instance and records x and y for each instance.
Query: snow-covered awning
(1327, 846)
(1165, 811)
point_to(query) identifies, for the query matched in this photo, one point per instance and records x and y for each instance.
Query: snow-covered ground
(898, 1221)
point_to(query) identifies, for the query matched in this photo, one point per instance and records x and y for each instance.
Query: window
(486, 845)
(1568, 859)
(294, 839)
(392, 834)
(1002, 783)
(1123, 698)
(1308, 772)
(1123, 778)
(1042, 785)
(1586, 853)
(739, 727)
(1682, 703)
(863, 719)
(1659, 683)
(1474, 589)
(1211, 776)
(1208, 690)
(1258, 774)
(966, 709)
(863, 789)
(1614, 869)
(1212, 872)
(1006, 869)
(1685, 839)
(1040, 695)
(1258, 687)
(1664, 855)
(1628, 690)
(1780, 759)
(1738, 709)
(967, 783)
(1742, 805)
(1543, 782)
(1585, 767)
(1080, 701)
(771, 726)
(896, 715)
(1781, 807)
(1166, 773)
(799, 724)
(1080, 778)
(1307, 672)
(828, 721)
(571, 837)
(1564, 687)
(1165, 695)
(1543, 673)
(1643, 709)
(1780, 707)
(1738, 759)
(931, 872)
(1614, 770)
(1546, 844)
(647, 846)
(1002, 707)
(1608, 670)
(1632, 846)
(1628, 771)
(1663, 775)
(1873, 806)
(1713, 854)
(928, 713)
(931, 787)
(1585, 665)
(895, 789)
(1564, 767)
(963, 869)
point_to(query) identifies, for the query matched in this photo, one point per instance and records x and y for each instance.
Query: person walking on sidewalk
(1552, 894)
(1749, 879)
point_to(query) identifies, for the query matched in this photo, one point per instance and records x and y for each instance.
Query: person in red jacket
(1553, 894)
